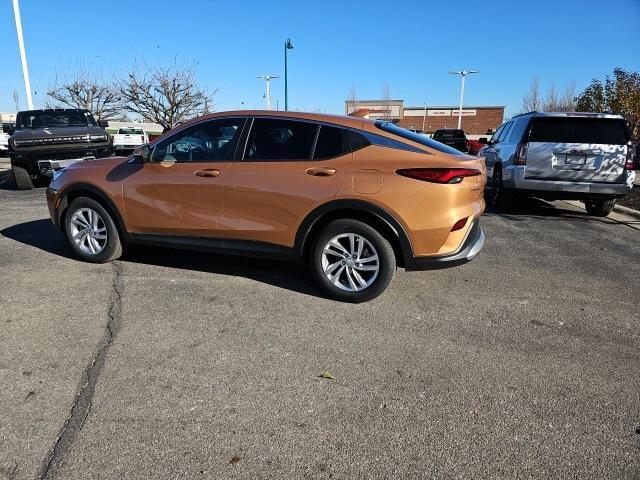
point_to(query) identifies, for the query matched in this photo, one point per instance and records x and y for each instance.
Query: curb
(627, 211)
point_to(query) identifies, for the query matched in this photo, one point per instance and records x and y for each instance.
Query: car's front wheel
(91, 232)
(352, 261)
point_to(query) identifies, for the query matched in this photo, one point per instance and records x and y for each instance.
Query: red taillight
(459, 224)
(520, 158)
(439, 175)
(630, 157)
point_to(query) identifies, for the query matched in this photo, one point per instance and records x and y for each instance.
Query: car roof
(344, 120)
(568, 114)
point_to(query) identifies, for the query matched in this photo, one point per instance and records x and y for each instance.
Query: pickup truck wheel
(91, 232)
(599, 208)
(351, 261)
(22, 178)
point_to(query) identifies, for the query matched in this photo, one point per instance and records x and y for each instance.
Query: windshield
(64, 118)
(416, 137)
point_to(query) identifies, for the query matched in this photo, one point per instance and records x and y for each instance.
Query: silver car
(561, 156)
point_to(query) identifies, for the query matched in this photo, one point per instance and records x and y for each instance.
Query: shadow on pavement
(523, 208)
(41, 234)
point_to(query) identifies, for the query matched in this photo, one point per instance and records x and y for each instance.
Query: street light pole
(287, 46)
(463, 74)
(267, 79)
(23, 55)
(424, 118)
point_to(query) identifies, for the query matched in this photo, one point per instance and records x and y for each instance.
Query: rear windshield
(130, 131)
(608, 131)
(449, 134)
(416, 137)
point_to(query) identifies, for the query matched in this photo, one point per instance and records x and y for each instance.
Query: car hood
(33, 133)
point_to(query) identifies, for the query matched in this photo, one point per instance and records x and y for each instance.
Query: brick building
(476, 120)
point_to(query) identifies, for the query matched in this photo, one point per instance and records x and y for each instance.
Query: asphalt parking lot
(168, 364)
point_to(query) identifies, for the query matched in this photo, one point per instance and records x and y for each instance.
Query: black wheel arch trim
(79, 187)
(305, 228)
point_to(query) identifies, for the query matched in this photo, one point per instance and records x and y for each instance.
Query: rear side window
(357, 141)
(416, 137)
(332, 142)
(275, 139)
(518, 130)
(497, 133)
(607, 131)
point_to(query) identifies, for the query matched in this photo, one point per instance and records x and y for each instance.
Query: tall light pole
(23, 55)
(287, 46)
(267, 79)
(463, 74)
(424, 118)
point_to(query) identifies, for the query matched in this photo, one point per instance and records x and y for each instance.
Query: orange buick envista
(352, 197)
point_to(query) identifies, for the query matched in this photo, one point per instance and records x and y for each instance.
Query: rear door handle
(208, 172)
(321, 171)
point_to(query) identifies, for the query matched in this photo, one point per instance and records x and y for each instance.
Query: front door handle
(208, 172)
(321, 171)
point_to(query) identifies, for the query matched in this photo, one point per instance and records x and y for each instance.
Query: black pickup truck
(453, 137)
(50, 139)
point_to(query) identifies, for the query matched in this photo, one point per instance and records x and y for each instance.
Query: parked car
(128, 139)
(49, 139)
(474, 146)
(4, 141)
(561, 156)
(453, 137)
(352, 197)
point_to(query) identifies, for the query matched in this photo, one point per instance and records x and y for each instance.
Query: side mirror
(142, 154)
(483, 140)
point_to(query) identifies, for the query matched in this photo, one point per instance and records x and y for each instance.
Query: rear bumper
(471, 246)
(514, 179)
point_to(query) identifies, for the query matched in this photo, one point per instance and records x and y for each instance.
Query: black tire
(22, 178)
(386, 261)
(112, 248)
(494, 196)
(599, 208)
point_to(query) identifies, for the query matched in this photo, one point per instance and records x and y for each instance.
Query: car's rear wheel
(352, 261)
(599, 208)
(91, 232)
(22, 178)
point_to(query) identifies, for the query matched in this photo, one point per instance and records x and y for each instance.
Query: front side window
(332, 142)
(275, 139)
(210, 141)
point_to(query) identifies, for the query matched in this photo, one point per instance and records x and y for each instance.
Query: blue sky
(408, 45)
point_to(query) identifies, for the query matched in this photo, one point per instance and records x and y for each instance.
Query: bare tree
(386, 100)
(567, 102)
(89, 91)
(551, 99)
(165, 95)
(531, 101)
(352, 98)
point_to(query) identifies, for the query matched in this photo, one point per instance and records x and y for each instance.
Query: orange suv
(352, 197)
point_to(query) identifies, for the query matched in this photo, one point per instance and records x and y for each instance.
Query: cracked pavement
(170, 364)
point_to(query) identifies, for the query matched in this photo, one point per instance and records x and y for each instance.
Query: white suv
(561, 156)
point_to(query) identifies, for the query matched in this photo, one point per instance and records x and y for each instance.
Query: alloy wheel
(350, 262)
(88, 231)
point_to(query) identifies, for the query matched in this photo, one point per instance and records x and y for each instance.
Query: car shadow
(42, 235)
